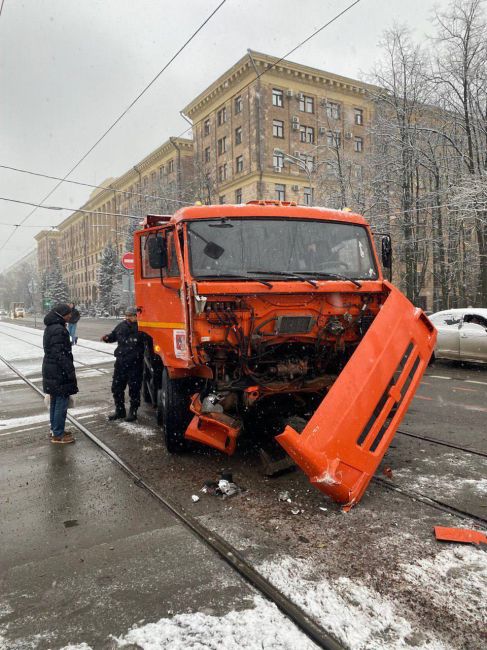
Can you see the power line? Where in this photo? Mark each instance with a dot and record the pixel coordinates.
(107, 131)
(1, 7)
(55, 207)
(100, 187)
(284, 56)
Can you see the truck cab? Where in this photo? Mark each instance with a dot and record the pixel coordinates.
(273, 310)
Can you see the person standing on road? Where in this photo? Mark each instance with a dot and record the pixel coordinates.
(73, 323)
(58, 373)
(128, 365)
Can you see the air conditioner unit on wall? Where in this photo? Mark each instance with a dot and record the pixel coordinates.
(289, 93)
(322, 130)
(295, 126)
(295, 119)
(348, 135)
(295, 188)
(277, 170)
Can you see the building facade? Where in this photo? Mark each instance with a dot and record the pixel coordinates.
(271, 129)
(158, 183)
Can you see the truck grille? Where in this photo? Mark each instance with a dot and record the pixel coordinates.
(294, 324)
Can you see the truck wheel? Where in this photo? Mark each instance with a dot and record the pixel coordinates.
(173, 414)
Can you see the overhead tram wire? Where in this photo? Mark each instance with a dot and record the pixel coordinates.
(122, 115)
(98, 187)
(56, 207)
(284, 56)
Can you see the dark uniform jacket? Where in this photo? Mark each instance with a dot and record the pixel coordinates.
(130, 341)
(58, 374)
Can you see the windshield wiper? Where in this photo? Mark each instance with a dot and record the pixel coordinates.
(288, 274)
(334, 276)
(223, 276)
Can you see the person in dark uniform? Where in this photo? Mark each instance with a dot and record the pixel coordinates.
(128, 365)
(58, 373)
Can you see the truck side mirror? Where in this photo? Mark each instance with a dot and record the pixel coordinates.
(157, 252)
(386, 252)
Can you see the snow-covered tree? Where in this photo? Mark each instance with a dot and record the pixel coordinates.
(56, 287)
(110, 279)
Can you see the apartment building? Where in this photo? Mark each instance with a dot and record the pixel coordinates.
(158, 183)
(272, 129)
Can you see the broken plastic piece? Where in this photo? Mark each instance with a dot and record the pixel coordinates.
(195, 498)
(463, 535)
(345, 440)
(284, 496)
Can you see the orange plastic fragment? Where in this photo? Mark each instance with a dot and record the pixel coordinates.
(464, 535)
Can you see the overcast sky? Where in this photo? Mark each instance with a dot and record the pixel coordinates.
(69, 68)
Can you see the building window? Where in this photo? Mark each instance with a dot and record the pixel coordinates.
(277, 97)
(358, 115)
(357, 172)
(334, 139)
(280, 192)
(331, 169)
(221, 199)
(161, 172)
(206, 127)
(238, 195)
(333, 110)
(278, 128)
(238, 104)
(358, 144)
(221, 116)
(238, 135)
(170, 166)
(308, 195)
(207, 154)
(222, 172)
(278, 160)
(222, 145)
(145, 181)
(306, 104)
(239, 164)
(307, 134)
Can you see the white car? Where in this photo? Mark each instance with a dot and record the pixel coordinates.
(462, 334)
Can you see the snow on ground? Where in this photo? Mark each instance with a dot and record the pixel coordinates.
(455, 580)
(357, 615)
(14, 350)
(136, 429)
(263, 626)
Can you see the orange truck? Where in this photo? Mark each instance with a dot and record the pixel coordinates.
(278, 313)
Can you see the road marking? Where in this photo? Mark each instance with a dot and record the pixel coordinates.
(472, 381)
(439, 377)
(467, 390)
(430, 399)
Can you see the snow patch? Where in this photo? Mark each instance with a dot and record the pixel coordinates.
(456, 580)
(260, 627)
(357, 615)
(43, 417)
(447, 486)
(137, 429)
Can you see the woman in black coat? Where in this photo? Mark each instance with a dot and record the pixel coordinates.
(58, 373)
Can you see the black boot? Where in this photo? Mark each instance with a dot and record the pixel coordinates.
(132, 416)
(119, 413)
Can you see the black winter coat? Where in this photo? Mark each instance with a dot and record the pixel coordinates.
(75, 316)
(58, 374)
(130, 341)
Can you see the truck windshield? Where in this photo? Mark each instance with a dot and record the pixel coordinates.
(281, 246)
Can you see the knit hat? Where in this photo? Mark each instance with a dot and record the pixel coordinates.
(130, 311)
(62, 309)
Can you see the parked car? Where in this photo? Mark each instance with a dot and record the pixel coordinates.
(462, 334)
(3, 312)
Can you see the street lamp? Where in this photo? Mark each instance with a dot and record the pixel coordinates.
(293, 160)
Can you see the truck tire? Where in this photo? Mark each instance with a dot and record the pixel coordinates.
(173, 414)
(146, 379)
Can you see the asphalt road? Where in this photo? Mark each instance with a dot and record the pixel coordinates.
(86, 554)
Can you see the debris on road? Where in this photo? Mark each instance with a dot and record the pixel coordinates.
(195, 498)
(275, 467)
(388, 472)
(284, 496)
(462, 535)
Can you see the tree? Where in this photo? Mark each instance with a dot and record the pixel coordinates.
(56, 289)
(109, 279)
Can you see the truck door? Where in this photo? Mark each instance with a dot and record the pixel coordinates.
(473, 338)
(160, 301)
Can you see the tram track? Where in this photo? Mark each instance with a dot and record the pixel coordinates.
(218, 544)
